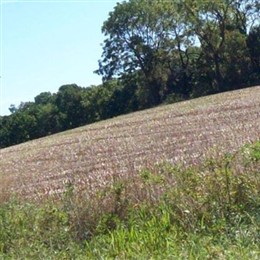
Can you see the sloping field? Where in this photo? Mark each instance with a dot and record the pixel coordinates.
(94, 155)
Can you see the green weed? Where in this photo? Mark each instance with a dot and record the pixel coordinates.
(209, 211)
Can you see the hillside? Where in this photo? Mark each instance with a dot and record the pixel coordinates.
(93, 155)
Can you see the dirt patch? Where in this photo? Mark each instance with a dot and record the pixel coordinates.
(91, 156)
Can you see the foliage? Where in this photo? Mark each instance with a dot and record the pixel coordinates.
(205, 211)
(182, 47)
(253, 40)
(70, 107)
(28, 231)
(145, 37)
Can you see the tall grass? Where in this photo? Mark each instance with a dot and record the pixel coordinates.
(209, 211)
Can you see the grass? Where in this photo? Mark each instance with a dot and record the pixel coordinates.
(166, 211)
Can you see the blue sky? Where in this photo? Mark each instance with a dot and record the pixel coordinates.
(46, 44)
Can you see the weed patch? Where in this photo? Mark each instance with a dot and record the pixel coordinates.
(208, 211)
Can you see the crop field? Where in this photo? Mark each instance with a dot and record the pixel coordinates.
(92, 156)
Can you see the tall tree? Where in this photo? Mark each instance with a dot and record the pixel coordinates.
(221, 27)
(253, 43)
(69, 104)
(144, 36)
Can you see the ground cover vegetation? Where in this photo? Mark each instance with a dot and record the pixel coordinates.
(206, 211)
(154, 52)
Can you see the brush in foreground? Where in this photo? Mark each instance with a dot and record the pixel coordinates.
(199, 212)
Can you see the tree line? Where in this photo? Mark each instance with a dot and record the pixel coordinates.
(154, 52)
(70, 107)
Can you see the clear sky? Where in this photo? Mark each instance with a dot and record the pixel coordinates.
(46, 44)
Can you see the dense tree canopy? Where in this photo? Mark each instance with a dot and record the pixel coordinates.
(181, 47)
(141, 37)
(70, 107)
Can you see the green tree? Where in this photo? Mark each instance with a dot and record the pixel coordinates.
(253, 43)
(44, 98)
(21, 127)
(221, 27)
(48, 119)
(4, 131)
(13, 108)
(145, 37)
(69, 104)
(179, 47)
(99, 103)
